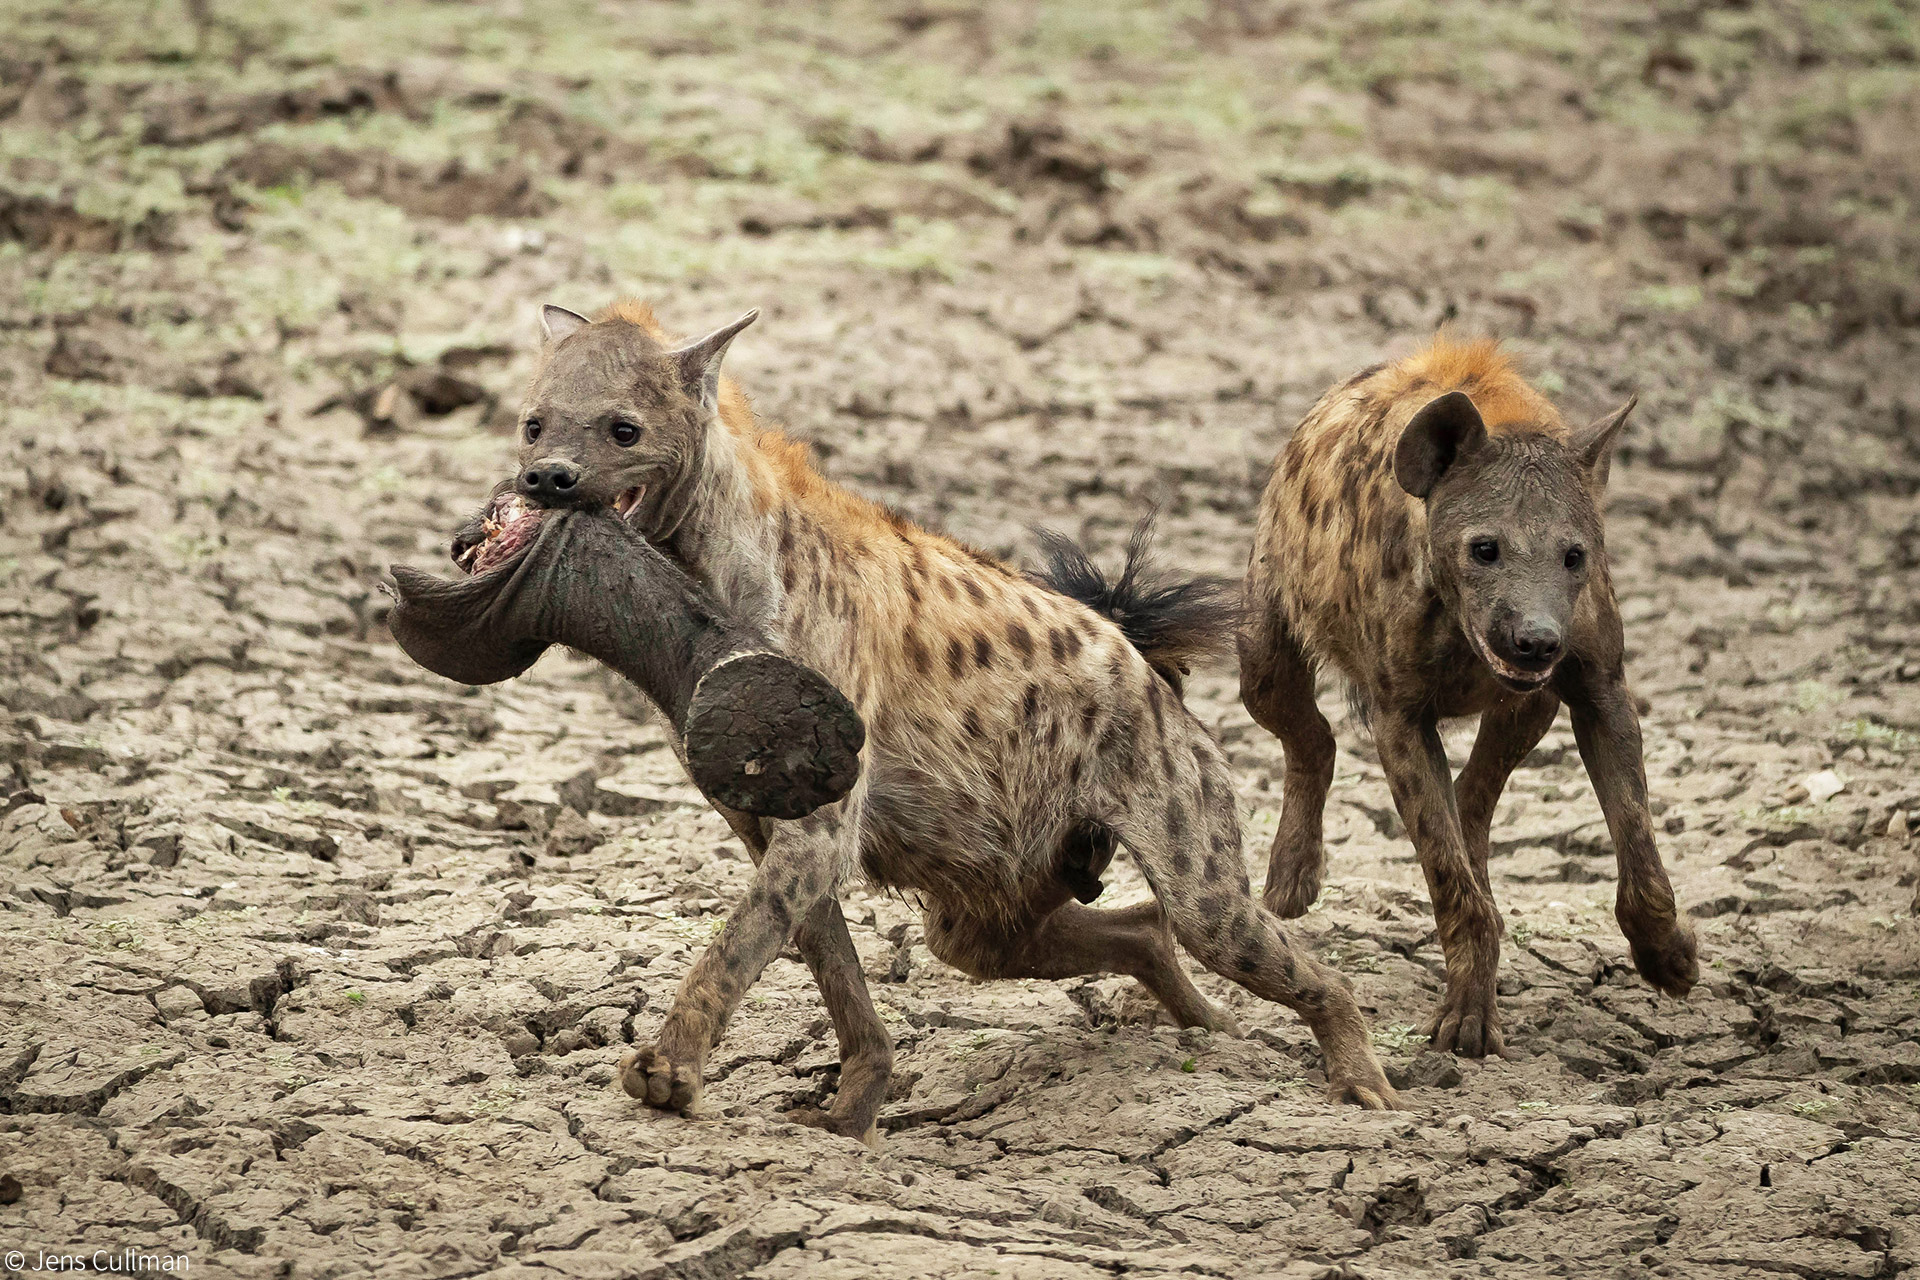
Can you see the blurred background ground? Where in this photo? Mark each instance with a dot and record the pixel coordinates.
(312, 964)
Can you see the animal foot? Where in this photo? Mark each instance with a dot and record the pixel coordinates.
(814, 1118)
(657, 1080)
(1367, 1098)
(1293, 879)
(1355, 1077)
(1181, 1002)
(1222, 1023)
(1665, 953)
(768, 736)
(1467, 1023)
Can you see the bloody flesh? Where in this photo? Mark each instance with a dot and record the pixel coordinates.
(508, 525)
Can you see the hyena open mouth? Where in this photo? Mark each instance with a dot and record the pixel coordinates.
(509, 525)
(1516, 679)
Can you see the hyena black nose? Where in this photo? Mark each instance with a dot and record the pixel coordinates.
(551, 480)
(1536, 643)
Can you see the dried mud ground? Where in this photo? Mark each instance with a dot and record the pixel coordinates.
(313, 964)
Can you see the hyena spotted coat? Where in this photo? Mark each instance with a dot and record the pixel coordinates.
(1014, 733)
(1432, 530)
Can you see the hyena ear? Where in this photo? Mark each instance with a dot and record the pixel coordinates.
(699, 362)
(558, 322)
(1595, 443)
(1442, 431)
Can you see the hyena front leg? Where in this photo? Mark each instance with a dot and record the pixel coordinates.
(1415, 761)
(1607, 727)
(1189, 851)
(866, 1049)
(1072, 940)
(802, 867)
(1507, 733)
(1276, 683)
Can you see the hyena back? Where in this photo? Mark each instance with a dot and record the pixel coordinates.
(1432, 530)
(1015, 734)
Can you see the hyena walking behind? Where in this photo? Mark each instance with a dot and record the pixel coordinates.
(1433, 530)
(1015, 733)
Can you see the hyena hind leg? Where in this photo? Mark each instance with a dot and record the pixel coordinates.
(1276, 683)
(1193, 864)
(1073, 940)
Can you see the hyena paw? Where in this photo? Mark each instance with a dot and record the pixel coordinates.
(657, 1080)
(1467, 1023)
(1366, 1097)
(1222, 1023)
(1665, 953)
(1293, 877)
(1291, 889)
(1356, 1078)
(860, 1130)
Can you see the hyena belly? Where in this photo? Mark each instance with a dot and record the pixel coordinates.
(976, 791)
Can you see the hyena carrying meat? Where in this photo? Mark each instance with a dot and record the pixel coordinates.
(1433, 530)
(1015, 734)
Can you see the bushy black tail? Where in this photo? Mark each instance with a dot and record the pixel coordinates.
(1172, 622)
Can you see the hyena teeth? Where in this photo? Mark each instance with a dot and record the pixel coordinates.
(627, 503)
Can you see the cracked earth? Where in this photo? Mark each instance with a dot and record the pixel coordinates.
(312, 964)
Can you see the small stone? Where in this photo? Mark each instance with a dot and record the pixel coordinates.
(178, 1003)
(631, 800)
(520, 1042)
(1824, 786)
(572, 835)
(358, 906)
(576, 793)
(1427, 1070)
(163, 848)
(528, 807)
(1897, 824)
(10, 1189)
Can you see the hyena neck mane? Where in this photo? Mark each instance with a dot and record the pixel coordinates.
(752, 493)
(726, 536)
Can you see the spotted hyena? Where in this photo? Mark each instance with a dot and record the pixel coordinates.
(1016, 734)
(1433, 531)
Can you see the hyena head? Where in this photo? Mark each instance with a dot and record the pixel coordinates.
(616, 419)
(1513, 526)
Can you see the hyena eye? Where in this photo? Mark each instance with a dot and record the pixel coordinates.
(625, 433)
(533, 430)
(1485, 550)
(1575, 558)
